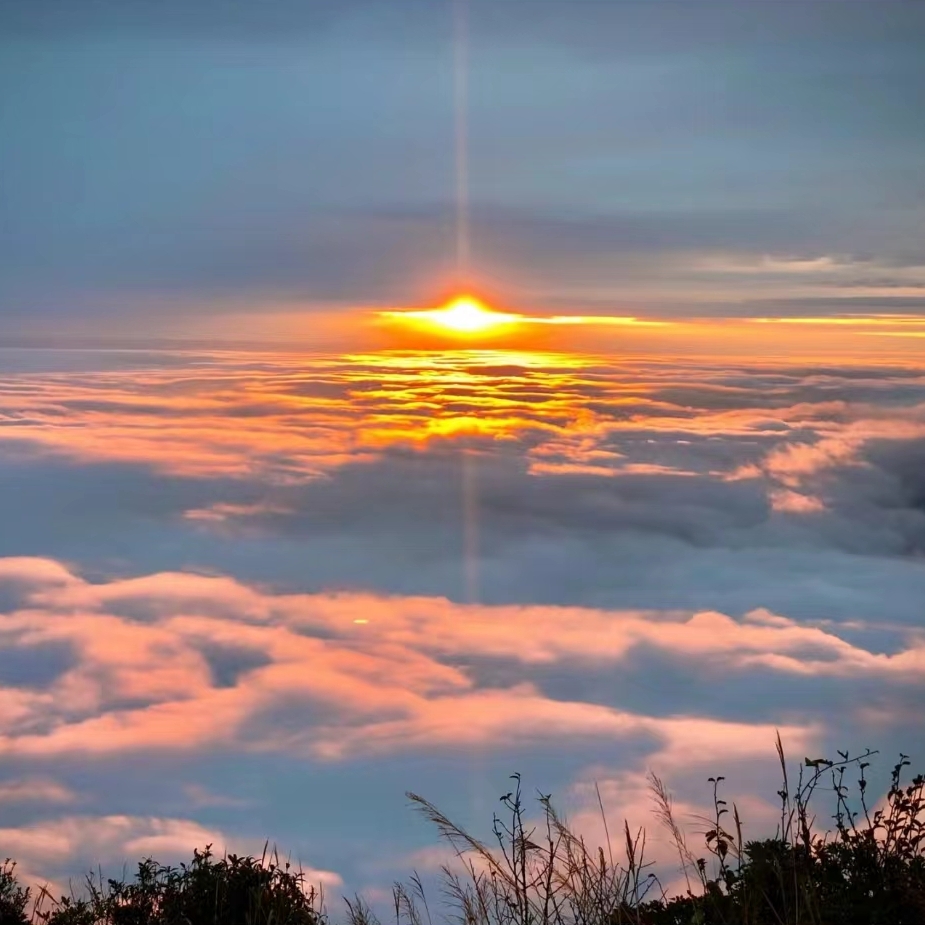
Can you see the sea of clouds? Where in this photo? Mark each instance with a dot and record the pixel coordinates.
(246, 595)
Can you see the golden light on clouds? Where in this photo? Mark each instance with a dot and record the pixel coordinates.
(856, 321)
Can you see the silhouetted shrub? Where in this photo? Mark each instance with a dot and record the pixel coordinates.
(228, 891)
(13, 898)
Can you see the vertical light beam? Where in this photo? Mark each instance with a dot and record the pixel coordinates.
(461, 110)
(470, 501)
(461, 106)
(479, 787)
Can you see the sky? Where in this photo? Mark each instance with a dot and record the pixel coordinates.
(275, 551)
(164, 162)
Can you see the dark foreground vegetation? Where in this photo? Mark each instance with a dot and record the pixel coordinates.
(856, 864)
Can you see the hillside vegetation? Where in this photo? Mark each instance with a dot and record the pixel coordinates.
(867, 869)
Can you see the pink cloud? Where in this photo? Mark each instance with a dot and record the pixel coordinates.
(389, 683)
(793, 502)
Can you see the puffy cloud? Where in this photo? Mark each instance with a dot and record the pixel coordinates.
(374, 674)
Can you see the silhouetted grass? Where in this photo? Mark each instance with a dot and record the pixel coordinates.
(866, 868)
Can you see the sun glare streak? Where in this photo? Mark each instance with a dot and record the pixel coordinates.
(466, 315)
(620, 320)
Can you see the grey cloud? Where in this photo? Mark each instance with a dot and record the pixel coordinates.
(314, 156)
(239, 19)
(228, 663)
(585, 25)
(655, 683)
(640, 28)
(33, 666)
(816, 307)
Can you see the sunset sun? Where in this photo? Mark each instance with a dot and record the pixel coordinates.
(464, 315)
(468, 316)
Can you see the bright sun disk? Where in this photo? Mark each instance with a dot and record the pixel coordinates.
(463, 315)
(466, 315)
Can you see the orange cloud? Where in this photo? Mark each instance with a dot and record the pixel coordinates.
(286, 419)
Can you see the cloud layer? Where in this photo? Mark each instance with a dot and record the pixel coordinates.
(238, 583)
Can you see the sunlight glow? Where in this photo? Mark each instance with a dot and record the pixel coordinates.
(466, 316)
(463, 315)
